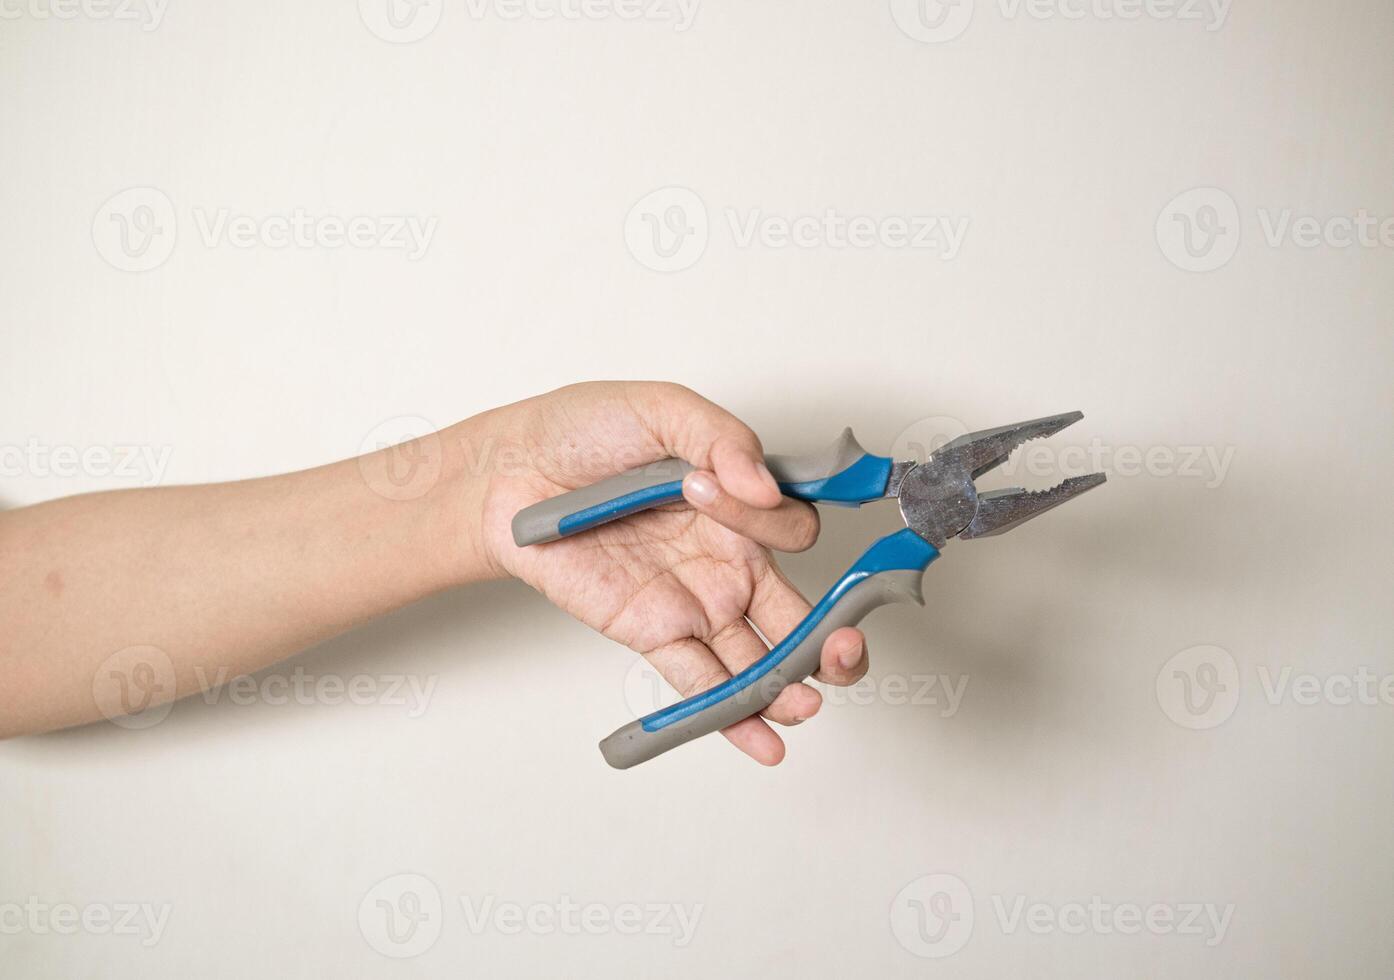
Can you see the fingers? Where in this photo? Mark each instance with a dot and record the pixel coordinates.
(709, 437)
(741, 469)
(737, 647)
(790, 526)
(776, 608)
(692, 668)
(844, 660)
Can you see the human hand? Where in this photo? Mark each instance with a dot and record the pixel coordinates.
(680, 585)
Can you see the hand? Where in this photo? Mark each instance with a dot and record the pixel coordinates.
(679, 585)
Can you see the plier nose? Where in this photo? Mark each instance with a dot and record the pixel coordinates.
(938, 501)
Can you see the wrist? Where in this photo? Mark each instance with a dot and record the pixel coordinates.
(461, 499)
(428, 494)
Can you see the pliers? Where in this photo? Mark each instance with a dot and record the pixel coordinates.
(938, 501)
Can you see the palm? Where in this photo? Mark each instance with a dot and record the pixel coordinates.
(655, 579)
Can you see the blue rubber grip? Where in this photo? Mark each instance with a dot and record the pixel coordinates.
(612, 510)
(904, 550)
(863, 481)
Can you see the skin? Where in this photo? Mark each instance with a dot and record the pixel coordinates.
(225, 579)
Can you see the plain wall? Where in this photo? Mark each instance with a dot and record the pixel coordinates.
(1071, 772)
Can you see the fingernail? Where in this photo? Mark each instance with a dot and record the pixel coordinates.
(851, 657)
(799, 719)
(701, 488)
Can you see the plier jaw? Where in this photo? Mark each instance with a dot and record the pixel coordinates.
(939, 499)
(1002, 510)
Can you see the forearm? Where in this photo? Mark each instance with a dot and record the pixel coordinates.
(223, 579)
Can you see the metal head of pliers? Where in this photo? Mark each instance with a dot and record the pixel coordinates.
(939, 500)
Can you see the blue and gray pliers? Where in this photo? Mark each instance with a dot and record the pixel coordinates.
(938, 501)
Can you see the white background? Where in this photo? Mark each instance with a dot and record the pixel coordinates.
(1061, 777)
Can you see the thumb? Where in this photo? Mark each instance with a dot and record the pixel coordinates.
(707, 436)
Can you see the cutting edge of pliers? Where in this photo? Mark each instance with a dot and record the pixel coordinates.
(938, 499)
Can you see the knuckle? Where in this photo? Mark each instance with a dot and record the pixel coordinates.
(702, 680)
(731, 630)
(806, 529)
(793, 705)
(780, 710)
(668, 390)
(787, 697)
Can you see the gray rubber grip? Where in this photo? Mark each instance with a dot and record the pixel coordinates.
(631, 744)
(542, 521)
(830, 460)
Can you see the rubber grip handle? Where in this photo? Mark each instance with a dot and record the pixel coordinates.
(842, 473)
(891, 570)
